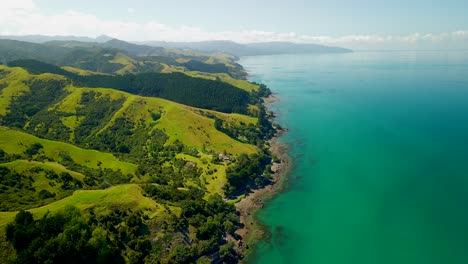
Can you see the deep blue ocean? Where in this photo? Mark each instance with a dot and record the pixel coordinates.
(379, 150)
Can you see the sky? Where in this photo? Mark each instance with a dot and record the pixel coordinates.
(357, 24)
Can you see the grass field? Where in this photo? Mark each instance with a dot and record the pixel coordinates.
(16, 142)
(128, 196)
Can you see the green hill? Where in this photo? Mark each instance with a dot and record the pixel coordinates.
(202, 93)
(146, 158)
(117, 57)
(127, 196)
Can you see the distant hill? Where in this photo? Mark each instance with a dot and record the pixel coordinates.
(132, 48)
(155, 47)
(117, 56)
(268, 48)
(252, 49)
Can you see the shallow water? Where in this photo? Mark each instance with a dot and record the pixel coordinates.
(379, 142)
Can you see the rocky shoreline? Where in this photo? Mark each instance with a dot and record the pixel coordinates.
(252, 230)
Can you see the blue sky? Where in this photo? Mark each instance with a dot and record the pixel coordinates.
(329, 17)
(360, 22)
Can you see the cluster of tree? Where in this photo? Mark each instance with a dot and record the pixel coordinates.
(212, 219)
(176, 87)
(17, 190)
(248, 133)
(69, 237)
(262, 92)
(249, 172)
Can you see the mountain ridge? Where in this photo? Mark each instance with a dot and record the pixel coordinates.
(225, 46)
(250, 49)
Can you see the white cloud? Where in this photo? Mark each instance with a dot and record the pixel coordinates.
(18, 4)
(24, 17)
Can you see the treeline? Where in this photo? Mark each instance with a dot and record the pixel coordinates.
(177, 87)
(69, 237)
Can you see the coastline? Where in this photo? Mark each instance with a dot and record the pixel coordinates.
(252, 230)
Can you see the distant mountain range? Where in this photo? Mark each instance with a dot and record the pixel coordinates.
(251, 49)
(230, 47)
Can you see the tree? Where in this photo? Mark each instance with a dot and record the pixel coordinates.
(226, 251)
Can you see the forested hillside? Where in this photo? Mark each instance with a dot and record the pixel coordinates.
(178, 87)
(121, 166)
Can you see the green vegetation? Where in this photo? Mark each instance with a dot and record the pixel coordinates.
(117, 57)
(35, 186)
(116, 161)
(176, 87)
(67, 236)
(250, 172)
(15, 143)
(121, 197)
(239, 83)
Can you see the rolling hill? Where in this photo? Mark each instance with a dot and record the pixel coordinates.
(142, 150)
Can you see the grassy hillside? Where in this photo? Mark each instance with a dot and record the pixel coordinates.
(12, 84)
(180, 122)
(124, 197)
(27, 184)
(143, 170)
(16, 142)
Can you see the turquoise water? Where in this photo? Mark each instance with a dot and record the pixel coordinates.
(379, 143)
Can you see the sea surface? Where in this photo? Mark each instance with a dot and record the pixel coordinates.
(379, 145)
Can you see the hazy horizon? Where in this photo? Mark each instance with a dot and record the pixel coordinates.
(361, 25)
